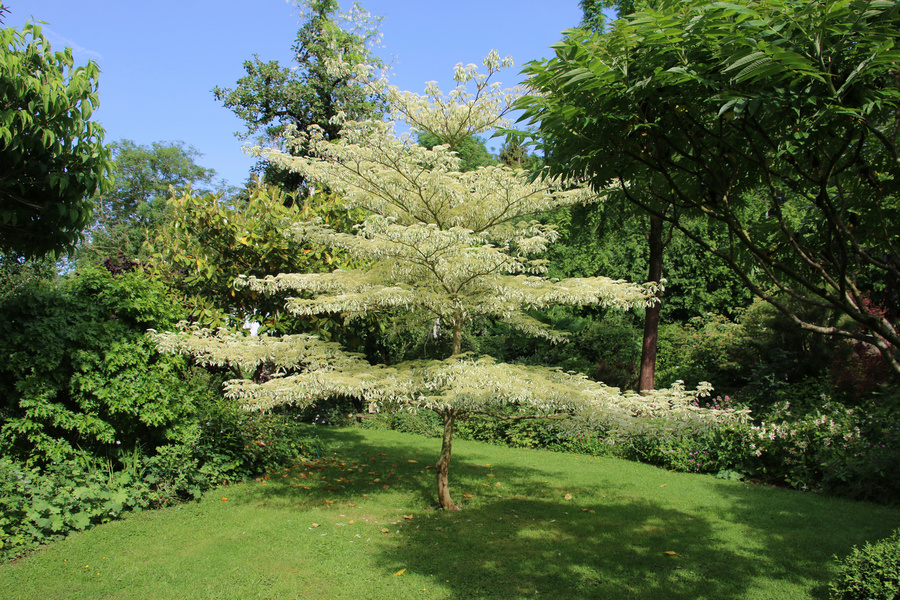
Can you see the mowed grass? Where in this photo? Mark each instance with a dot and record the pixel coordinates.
(360, 523)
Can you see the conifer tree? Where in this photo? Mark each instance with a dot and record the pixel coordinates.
(445, 246)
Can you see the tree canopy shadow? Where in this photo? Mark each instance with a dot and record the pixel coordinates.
(534, 531)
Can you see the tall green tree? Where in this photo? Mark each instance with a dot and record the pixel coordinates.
(777, 120)
(273, 99)
(444, 246)
(472, 151)
(52, 158)
(594, 19)
(127, 214)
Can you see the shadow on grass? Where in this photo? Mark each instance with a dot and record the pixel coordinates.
(523, 532)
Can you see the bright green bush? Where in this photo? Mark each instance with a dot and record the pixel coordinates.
(41, 505)
(519, 433)
(423, 422)
(869, 573)
(95, 422)
(77, 373)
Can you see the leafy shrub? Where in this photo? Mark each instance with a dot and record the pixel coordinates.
(226, 445)
(523, 433)
(41, 505)
(711, 348)
(822, 446)
(832, 448)
(77, 373)
(592, 445)
(519, 433)
(423, 422)
(869, 573)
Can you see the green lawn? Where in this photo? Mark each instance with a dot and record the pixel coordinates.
(360, 523)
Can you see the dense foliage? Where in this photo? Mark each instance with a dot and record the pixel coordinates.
(52, 158)
(78, 374)
(785, 139)
(208, 241)
(134, 206)
(275, 100)
(95, 422)
(869, 573)
(602, 238)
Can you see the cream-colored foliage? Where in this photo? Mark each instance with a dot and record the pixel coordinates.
(454, 246)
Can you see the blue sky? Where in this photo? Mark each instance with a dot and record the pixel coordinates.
(160, 59)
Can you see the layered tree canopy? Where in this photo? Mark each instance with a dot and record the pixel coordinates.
(776, 119)
(447, 247)
(52, 158)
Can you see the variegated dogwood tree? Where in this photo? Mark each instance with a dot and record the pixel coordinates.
(449, 246)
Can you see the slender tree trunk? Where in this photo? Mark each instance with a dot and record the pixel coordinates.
(651, 320)
(457, 335)
(443, 465)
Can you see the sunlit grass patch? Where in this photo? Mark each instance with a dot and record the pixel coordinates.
(559, 525)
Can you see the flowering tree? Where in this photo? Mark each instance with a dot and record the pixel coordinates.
(445, 246)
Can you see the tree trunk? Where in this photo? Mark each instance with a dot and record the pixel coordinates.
(651, 320)
(443, 465)
(457, 335)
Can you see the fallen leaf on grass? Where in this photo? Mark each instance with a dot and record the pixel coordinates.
(224, 499)
(497, 484)
(412, 461)
(568, 496)
(407, 516)
(663, 485)
(315, 524)
(670, 553)
(385, 530)
(400, 572)
(467, 495)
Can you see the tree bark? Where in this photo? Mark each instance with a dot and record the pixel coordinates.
(647, 380)
(443, 464)
(457, 335)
